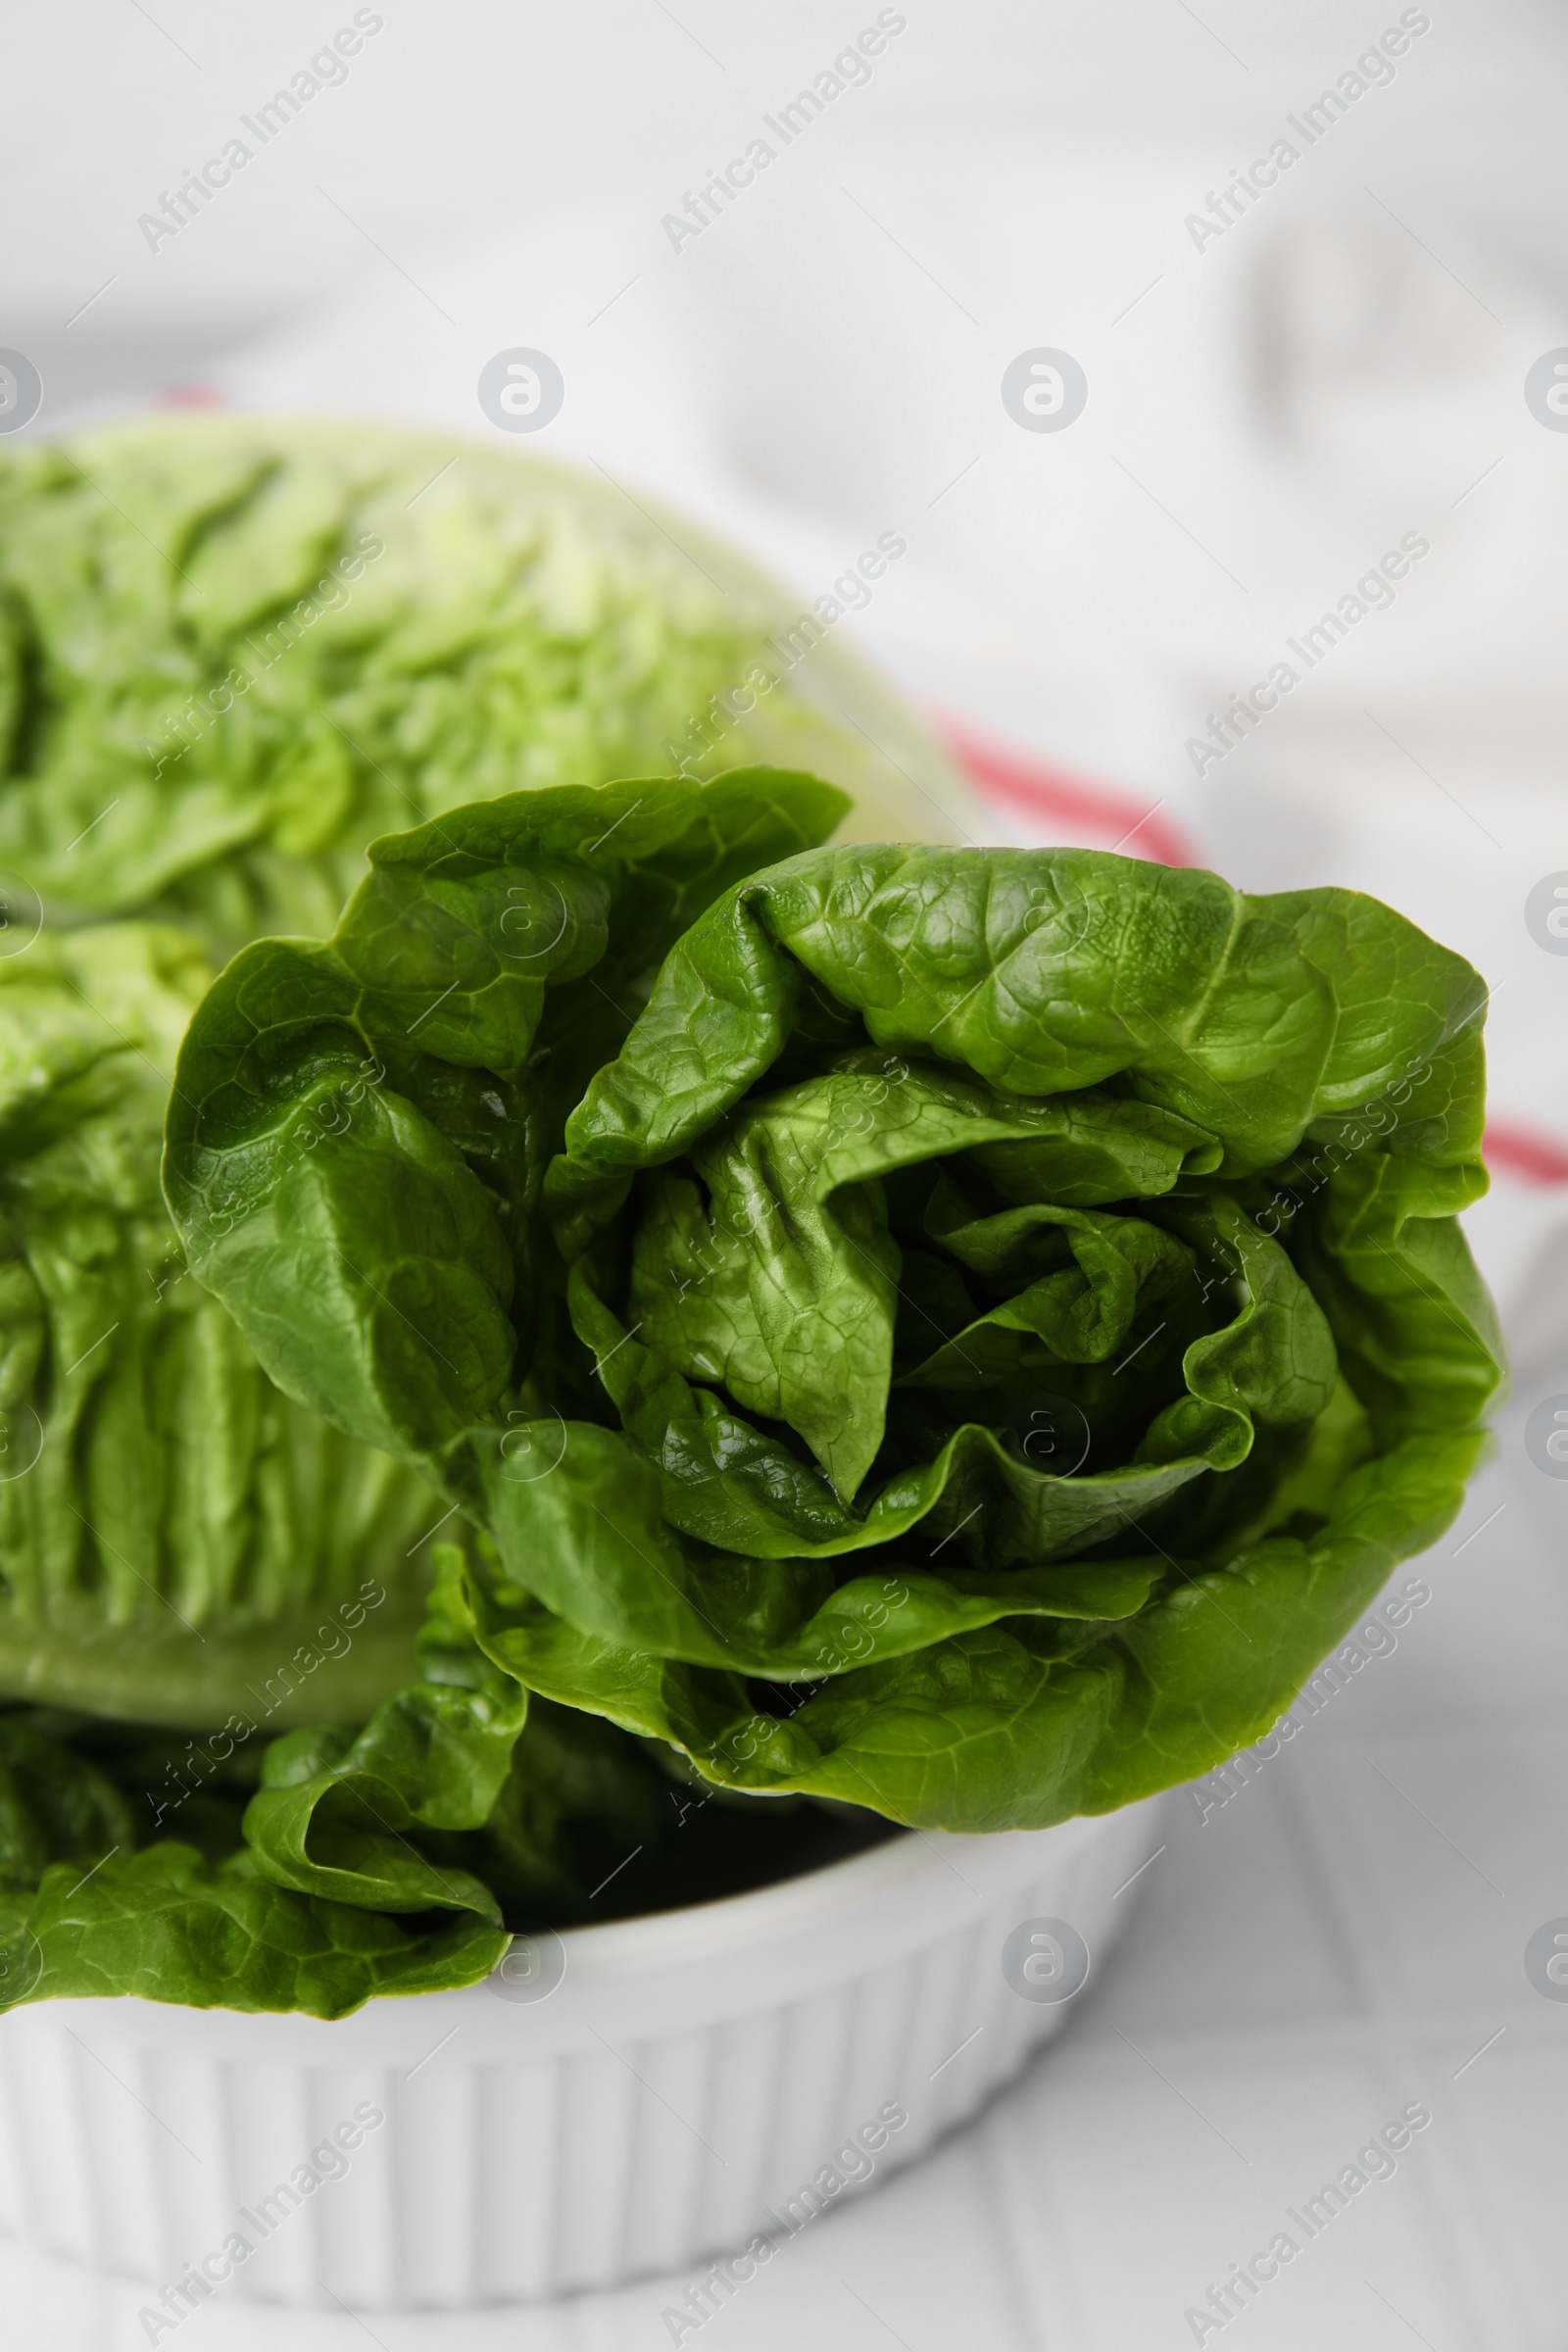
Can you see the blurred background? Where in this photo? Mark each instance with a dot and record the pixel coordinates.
(1285, 377)
(1151, 332)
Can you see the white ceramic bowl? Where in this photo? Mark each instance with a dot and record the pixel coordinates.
(687, 2073)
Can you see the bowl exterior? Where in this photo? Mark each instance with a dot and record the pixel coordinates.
(682, 2090)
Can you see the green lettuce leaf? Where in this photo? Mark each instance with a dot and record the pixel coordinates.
(398, 1859)
(86, 1908)
(359, 1130)
(170, 1925)
(331, 1814)
(178, 1538)
(1022, 1723)
(235, 649)
(968, 1350)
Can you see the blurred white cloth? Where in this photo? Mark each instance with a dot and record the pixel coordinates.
(1262, 428)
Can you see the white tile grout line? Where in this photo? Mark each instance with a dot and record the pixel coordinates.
(1180, 2093)
(1389, 2047)
(1018, 2228)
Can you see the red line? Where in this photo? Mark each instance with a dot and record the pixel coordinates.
(1053, 792)
(1529, 1154)
(1525, 1152)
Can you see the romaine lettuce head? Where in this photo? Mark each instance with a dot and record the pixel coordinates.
(235, 649)
(178, 1538)
(958, 1330)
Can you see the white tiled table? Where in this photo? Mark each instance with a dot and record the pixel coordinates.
(1342, 1937)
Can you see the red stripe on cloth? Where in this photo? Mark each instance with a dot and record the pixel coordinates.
(1135, 827)
(1525, 1152)
(1528, 1154)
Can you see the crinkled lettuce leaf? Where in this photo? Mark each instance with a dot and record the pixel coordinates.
(332, 1865)
(969, 1350)
(1026, 1720)
(178, 1538)
(86, 1908)
(235, 649)
(359, 1129)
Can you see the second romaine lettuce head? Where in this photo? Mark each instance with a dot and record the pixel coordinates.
(957, 1331)
(178, 1538)
(233, 649)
